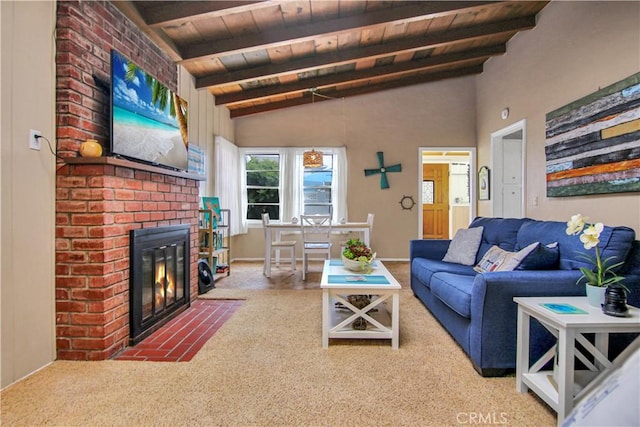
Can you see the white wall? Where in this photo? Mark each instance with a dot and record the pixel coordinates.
(575, 49)
(205, 121)
(27, 192)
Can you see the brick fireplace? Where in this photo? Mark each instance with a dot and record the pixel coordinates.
(159, 280)
(98, 202)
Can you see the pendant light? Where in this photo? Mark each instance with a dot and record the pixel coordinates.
(312, 159)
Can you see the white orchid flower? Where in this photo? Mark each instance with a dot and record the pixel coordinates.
(576, 224)
(591, 236)
(602, 274)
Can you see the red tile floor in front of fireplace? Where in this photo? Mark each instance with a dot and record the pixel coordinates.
(181, 338)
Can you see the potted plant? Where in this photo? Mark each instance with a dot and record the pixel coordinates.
(357, 256)
(602, 274)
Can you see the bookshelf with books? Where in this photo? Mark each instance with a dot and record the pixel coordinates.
(214, 242)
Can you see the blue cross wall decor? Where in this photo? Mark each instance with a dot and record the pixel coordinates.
(382, 170)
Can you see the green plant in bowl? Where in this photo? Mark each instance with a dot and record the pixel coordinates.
(357, 256)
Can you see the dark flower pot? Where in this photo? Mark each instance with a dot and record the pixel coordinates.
(615, 301)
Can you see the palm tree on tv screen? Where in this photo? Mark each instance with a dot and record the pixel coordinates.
(161, 96)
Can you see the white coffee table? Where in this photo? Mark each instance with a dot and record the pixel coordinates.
(339, 315)
(567, 328)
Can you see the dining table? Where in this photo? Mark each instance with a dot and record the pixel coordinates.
(275, 229)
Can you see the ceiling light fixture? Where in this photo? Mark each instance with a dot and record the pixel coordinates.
(313, 158)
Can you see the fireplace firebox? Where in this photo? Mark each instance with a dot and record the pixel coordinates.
(159, 278)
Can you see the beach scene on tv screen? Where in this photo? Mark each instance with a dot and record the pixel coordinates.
(144, 129)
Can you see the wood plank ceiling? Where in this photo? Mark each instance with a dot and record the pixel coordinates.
(258, 56)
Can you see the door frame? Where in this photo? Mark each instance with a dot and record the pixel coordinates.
(496, 139)
(472, 181)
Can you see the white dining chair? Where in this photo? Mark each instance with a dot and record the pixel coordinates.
(277, 246)
(316, 238)
(370, 217)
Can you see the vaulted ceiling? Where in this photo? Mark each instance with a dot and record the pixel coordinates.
(258, 56)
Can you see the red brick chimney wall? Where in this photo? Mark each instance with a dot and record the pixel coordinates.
(97, 204)
(85, 34)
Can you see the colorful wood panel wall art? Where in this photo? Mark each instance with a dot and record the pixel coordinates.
(593, 144)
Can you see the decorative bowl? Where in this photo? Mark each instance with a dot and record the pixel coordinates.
(356, 266)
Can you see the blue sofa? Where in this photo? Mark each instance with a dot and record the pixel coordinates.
(477, 309)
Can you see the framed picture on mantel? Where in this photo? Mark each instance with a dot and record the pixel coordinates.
(484, 183)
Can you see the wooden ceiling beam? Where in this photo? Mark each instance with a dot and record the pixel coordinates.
(244, 111)
(369, 52)
(415, 11)
(360, 75)
(178, 12)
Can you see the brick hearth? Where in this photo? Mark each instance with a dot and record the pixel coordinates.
(97, 205)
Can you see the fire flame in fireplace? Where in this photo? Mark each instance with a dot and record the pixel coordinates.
(163, 279)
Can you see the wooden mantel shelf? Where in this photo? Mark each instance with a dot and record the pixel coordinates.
(117, 161)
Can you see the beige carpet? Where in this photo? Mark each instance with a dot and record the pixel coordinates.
(266, 367)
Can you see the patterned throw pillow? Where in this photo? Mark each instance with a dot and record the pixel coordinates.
(497, 259)
(464, 246)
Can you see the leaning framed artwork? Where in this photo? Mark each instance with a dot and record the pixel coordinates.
(484, 183)
(593, 144)
(213, 204)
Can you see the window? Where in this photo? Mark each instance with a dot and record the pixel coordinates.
(427, 192)
(316, 186)
(263, 185)
(279, 184)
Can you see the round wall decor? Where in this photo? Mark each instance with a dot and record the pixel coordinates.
(407, 202)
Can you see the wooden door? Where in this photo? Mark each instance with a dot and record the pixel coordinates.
(435, 203)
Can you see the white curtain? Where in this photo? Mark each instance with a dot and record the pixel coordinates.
(228, 183)
(292, 172)
(339, 184)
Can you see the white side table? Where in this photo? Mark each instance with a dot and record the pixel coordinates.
(568, 328)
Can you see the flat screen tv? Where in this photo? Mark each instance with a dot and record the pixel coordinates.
(148, 121)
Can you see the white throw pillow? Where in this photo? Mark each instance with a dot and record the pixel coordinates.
(464, 246)
(497, 259)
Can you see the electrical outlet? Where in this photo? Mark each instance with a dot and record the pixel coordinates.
(34, 143)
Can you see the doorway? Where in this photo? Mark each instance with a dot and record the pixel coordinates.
(446, 189)
(508, 149)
